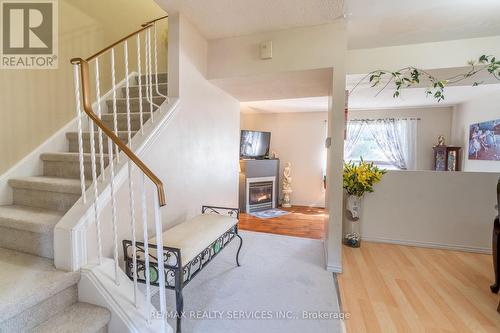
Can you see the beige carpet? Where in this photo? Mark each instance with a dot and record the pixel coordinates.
(279, 275)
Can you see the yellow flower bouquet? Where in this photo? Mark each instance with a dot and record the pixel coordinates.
(360, 177)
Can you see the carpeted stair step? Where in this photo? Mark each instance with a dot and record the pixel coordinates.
(135, 123)
(80, 317)
(32, 290)
(134, 90)
(73, 141)
(121, 104)
(67, 165)
(28, 229)
(162, 78)
(46, 192)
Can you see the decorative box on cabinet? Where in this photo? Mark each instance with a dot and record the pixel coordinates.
(446, 158)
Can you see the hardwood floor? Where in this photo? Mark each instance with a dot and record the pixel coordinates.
(308, 222)
(390, 288)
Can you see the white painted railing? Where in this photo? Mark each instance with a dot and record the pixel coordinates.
(148, 79)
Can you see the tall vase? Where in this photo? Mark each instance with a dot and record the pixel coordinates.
(352, 229)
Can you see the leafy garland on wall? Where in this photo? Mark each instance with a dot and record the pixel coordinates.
(411, 76)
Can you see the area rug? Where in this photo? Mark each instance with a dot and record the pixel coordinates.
(270, 213)
(281, 286)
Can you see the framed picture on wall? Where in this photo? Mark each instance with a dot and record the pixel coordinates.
(484, 141)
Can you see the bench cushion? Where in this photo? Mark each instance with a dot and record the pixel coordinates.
(196, 234)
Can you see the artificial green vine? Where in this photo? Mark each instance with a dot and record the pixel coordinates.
(411, 76)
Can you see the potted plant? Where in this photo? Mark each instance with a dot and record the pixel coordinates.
(359, 178)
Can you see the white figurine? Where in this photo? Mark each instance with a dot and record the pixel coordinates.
(287, 185)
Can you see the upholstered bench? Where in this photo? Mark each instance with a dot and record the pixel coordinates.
(187, 248)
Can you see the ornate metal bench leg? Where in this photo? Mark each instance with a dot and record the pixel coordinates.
(239, 248)
(179, 307)
(179, 301)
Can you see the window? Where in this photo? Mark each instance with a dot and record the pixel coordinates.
(367, 147)
(389, 143)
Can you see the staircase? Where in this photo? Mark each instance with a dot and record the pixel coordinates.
(34, 296)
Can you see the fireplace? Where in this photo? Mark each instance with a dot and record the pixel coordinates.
(260, 194)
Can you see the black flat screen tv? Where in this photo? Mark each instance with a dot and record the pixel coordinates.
(254, 144)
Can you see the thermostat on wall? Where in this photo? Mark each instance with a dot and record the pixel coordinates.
(266, 50)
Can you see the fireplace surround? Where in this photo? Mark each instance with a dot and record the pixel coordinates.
(252, 170)
(260, 193)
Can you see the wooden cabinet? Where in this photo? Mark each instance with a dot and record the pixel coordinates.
(446, 158)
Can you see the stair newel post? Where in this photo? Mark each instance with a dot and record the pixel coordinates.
(80, 135)
(85, 86)
(130, 174)
(139, 81)
(156, 62)
(115, 116)
(160, 256)
(99, 114)
(146, 246)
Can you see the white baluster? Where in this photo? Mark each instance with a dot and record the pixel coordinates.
(146, 247)
(132, 226)
(80, 139)
(140, 81)
(96, 192)
(147, 77)
(113, 209)
(151, 103)
(99, 114)
(130, 173)
(156, 63)
(159, 255)
(115, 116)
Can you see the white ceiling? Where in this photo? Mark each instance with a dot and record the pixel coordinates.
(364, 99)
(376, 23)
(370, 23)
(228, 18)
(415, 97)
(363, 96)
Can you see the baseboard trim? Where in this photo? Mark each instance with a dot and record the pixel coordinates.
(334, 268)
(430, 245)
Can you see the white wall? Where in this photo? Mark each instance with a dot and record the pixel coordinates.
(433, 122)
(445, 54)
(438, 209)
(293, 49)
(298, 138)
(472, 112)
(197, 155)
(322, 46)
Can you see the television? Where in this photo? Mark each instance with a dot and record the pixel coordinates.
(254, 144)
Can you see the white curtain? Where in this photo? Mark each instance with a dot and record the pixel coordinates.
(354, 129)
(407, 129)
(388, 138)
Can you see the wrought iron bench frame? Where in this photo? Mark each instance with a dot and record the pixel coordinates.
(181, 275)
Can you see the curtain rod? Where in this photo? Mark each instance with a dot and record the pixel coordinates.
(380, 119)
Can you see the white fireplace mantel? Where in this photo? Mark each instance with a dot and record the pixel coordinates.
(258, 180)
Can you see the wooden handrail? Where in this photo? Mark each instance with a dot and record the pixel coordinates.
(155, 20)
(107, 48)
(87, 107)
